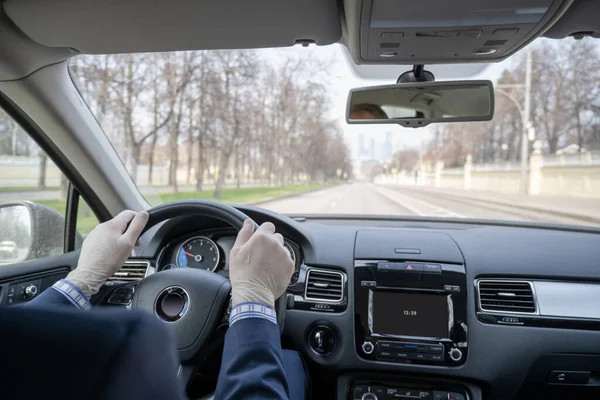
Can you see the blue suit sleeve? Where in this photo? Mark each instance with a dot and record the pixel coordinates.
(49, 298)
(62, 293)
(252, 366)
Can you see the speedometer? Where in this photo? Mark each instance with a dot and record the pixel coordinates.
(199, 252)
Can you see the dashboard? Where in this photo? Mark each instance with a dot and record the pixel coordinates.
(422, 308)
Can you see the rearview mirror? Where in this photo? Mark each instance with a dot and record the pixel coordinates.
(419, 104)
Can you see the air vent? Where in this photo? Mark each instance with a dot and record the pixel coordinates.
(506, 296)
(132, 271)
(323, 285)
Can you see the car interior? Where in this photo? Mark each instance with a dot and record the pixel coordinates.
(474, 309)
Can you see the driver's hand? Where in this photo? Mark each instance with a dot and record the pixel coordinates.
(260, 267)
(105, 250)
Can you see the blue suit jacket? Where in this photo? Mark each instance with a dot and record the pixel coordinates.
(132, 355)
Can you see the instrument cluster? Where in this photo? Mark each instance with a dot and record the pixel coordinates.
(210, 250)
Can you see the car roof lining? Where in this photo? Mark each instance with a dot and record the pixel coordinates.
(44, 32)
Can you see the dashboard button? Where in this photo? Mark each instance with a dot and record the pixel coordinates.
(410, 267)
(432, 268)
(402, 355)
(436, 357)
(569, 377)
(386, 266)
(384, 353)
(386, 345)
(434, 348)
(368, 347)
(455, 354)
(409, 347)
(452, 288)
(359, 390)
(421, 356)
(368, 283)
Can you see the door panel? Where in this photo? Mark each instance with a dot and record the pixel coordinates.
(41, 273)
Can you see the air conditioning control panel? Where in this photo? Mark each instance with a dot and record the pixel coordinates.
(319, 288)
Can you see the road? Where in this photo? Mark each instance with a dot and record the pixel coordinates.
(365, 198)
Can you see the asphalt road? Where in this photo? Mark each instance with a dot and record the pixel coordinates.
(365, 198)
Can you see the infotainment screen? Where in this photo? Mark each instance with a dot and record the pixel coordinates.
(410, 314)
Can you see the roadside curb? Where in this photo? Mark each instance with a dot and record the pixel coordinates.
(543, 210)
(288, 196)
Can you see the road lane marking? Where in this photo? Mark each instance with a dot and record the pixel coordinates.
(417, 206)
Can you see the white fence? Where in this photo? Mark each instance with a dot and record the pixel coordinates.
(573, 175)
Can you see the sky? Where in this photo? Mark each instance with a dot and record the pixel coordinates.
(341, 78)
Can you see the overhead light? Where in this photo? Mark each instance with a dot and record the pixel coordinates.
(485, 52)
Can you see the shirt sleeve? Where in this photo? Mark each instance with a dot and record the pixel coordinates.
(252, 310)
(72, 293)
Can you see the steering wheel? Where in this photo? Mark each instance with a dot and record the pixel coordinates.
(192, 301)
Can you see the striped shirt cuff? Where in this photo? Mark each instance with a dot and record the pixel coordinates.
(252, 310)
(73, 294)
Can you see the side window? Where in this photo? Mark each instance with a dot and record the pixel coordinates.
(33, 199)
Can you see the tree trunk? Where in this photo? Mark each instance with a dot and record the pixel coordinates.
(222, 173)
(136, 149)
(200, 167)
(173, 165)
(238, 169)
(42, 176)
(151, 159)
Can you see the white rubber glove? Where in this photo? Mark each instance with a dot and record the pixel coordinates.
(105, 250)
(260, 267)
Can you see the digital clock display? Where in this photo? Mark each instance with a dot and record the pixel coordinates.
(411, 314)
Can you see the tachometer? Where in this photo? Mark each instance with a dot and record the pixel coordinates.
(288, 247)
(199, 252)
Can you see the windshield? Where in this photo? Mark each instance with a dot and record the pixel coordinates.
(267, 127)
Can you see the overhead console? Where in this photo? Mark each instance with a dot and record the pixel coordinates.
(410, 298)
(435, 31)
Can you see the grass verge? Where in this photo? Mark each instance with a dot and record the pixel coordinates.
(26, 188)
(235, 196)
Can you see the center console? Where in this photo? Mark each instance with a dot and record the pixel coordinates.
(409, 307)
(411, 312)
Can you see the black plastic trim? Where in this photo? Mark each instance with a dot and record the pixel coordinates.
(71, 218)
(541, 321)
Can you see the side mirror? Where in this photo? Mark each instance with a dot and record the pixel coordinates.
(28, 231)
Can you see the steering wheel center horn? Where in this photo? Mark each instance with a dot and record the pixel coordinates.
(172, 304)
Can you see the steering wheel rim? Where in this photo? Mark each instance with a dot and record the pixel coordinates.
(202, 295)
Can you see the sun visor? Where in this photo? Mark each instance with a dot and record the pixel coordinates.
(130, 26)
(441, 31)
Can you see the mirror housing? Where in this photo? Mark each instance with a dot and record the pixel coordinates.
(29, 231)
(419, 104)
